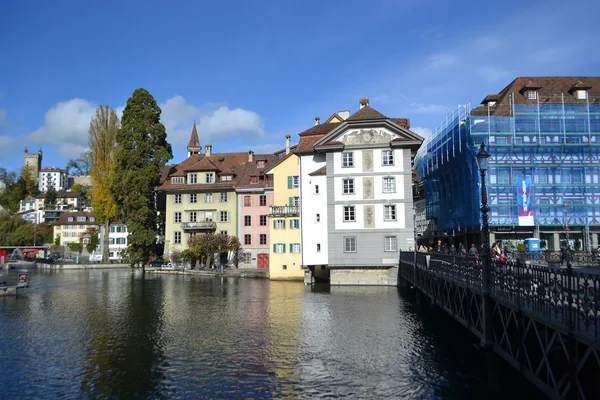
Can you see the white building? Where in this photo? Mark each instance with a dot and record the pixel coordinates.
(52, 177)
(356, 196)
(117, 241)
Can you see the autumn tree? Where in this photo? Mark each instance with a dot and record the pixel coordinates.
(103, 146)
(142, 149)
(29, 177)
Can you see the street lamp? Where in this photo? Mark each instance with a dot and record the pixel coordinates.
(487, 339)
(482, 162)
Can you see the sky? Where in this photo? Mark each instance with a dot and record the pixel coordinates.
(251, 72)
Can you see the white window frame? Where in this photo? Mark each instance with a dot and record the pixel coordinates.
(224, 197)
(531, 94)
(348, 186)
(349, 214)
(178, 198)
(193, 179)
(387, 157)
(295, 224)
(208, 198)
(177, 217)
(177, 237)
(385, 184)
(247, 220)
(223, 216)
(347, 159)
(279, 248)
(295, 248)
(350, 244)
(295, 181)
(389, 212)
(193, 198)
(209, 177)
(390, 243)
(279, 224)
(192, 216)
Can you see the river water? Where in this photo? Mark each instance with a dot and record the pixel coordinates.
(113, 334)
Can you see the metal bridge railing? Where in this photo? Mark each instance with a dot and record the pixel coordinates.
(565, 298)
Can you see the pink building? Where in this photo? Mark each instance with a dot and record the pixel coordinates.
(255, 196)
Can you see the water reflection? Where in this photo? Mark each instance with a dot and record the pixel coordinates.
(113, 334)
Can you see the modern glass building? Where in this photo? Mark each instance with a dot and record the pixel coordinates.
(543, 135)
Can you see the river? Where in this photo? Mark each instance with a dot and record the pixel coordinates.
(113, 334)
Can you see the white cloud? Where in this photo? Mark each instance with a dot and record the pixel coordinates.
(423, 132)
(3, 117)
(66, 125)
(215, 122)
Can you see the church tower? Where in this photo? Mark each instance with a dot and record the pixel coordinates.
(194, 146)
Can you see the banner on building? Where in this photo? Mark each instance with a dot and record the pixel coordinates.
(524, 201)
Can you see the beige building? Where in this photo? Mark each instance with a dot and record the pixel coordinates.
(71, 226)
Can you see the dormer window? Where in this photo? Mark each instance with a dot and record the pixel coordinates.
(532, 94)
(581, 94)
(177, 179)
(80, 219)
(491, 104)
(225, 178)
(209, 177)
(260, 163)
(92, 219)
(70, 219)
(254, 179)
(193, 178)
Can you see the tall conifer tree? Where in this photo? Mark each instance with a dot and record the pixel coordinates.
(142, 149)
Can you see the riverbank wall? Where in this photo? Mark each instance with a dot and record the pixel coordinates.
(81, 266)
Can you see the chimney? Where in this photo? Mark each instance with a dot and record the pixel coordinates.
(317, 120)
(208, 150)
(287, 144)
(250, 156)
(364, 102)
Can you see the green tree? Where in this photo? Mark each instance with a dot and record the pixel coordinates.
(204, 247)
(51, 196)
(142, 149)
(81, 166)
(103, 146)
(15, 190)
(29, 176)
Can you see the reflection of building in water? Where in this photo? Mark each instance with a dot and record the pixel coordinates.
(286, 306)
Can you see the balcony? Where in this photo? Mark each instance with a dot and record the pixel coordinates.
(199, 226)
(284, 211)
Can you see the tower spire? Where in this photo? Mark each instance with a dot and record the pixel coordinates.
(194, 145)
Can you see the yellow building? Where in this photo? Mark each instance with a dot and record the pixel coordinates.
(285, 251)
(72, 225)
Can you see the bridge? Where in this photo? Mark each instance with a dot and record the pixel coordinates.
(543, 321)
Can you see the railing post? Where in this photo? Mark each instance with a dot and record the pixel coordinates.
(574, 388)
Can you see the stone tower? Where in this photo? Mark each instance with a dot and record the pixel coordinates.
(194, 145)
(34, 160)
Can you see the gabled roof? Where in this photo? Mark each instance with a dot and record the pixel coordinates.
(64, 218)
(321, 128)
(367, 112)
(320, 171)
(307, 142)
(204, 164)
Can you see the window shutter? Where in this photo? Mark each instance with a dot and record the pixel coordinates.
(274, 223)
(283, 247)
(283, 224)
(291, 248)
(290, 182)
(274, 248)
(298, 224)
(291, 201)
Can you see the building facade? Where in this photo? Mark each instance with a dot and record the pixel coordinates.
(117, 241)
(365, 160)
(284, 225)
(55, 177)
(202, 195)
(71, 226)
(544, 170)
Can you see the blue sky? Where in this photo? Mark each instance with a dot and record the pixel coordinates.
(251, 72)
